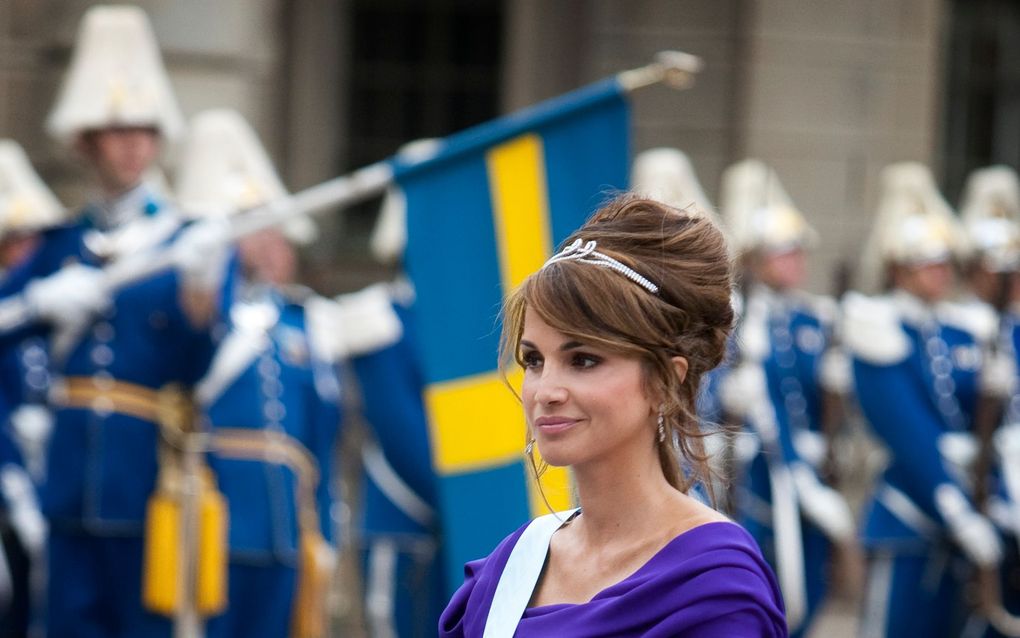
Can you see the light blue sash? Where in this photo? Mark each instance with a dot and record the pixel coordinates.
(520, 575)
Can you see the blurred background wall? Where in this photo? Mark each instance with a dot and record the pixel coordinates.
(827, 91)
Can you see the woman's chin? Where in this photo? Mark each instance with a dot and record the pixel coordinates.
(558, 455)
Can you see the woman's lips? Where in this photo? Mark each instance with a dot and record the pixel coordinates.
(554, 424)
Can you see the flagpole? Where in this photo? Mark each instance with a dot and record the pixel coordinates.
(675, 69)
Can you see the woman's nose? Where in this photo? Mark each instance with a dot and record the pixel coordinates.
(550, 387)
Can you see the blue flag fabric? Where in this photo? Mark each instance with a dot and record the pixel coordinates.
(482, 214)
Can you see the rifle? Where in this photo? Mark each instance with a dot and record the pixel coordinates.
(847, 560)
(833, 405)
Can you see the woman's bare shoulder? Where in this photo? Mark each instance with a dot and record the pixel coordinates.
(691, 513)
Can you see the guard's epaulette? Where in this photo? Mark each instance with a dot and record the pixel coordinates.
(352, 324)
(824, 307)
(975, 317)
(872, 329)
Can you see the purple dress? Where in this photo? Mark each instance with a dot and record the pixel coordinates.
(708, 582)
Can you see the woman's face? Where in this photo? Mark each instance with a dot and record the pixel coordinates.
(582, 403)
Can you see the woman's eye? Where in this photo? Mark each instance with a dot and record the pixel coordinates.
(585, 361)
(530, 360)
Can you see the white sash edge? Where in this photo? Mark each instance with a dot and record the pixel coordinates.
(520, 575)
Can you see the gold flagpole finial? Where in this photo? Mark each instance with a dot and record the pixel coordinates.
(675, 69)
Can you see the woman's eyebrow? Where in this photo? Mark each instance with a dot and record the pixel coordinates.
(569, 345)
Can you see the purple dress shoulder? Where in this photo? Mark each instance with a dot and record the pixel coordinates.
(708, 582)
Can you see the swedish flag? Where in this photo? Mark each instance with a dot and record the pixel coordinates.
(482, 215)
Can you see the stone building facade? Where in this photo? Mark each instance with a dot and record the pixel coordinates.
(827, 91)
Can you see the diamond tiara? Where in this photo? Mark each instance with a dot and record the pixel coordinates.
(588, 255)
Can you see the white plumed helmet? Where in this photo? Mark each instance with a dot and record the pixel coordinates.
(990, 210)
(116, 78)
(913, 225)
(224, 169)
(666, 175)
(759, 212)
(26, 204)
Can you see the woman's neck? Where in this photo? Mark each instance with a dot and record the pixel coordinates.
(621, 501)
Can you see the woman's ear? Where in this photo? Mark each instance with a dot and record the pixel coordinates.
(680, 365)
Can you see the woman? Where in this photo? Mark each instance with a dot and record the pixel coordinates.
(614, 334)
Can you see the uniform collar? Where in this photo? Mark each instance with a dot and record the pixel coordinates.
(775, 301)
(257, 309)
(108, 214)
(912, 310)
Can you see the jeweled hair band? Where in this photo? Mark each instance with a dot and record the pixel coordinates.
(587, 254)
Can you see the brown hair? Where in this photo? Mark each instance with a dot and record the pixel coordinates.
(684, 254)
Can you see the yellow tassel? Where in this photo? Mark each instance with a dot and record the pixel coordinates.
(160, 570)
(162, 566)
(315, 571)
(212, 553)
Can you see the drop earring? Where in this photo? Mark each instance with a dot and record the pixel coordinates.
(530, 447)
(662, 428)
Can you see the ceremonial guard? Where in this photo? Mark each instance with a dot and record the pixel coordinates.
(786, 364)
(272, 395)
(115, 353)
(398, 528)
(26, 207)
(990, 209)
(917, 369)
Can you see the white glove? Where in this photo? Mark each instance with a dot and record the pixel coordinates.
(200, 254)
(836, 373)
(32, 425)
(746, 446)
(822, 505)
(811, 447)
(974, 533)
(1004, 514)
(999, 375)
(741, 388)
(23, 508)
(361, 322)
(70, 296)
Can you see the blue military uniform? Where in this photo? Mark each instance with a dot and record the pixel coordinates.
(398, 527)
(784, 337)
(104, 439)
(24, 379)
(272, 401)
(1004, 501)
(916, 371)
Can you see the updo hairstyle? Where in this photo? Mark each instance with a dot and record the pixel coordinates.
(684, 253)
